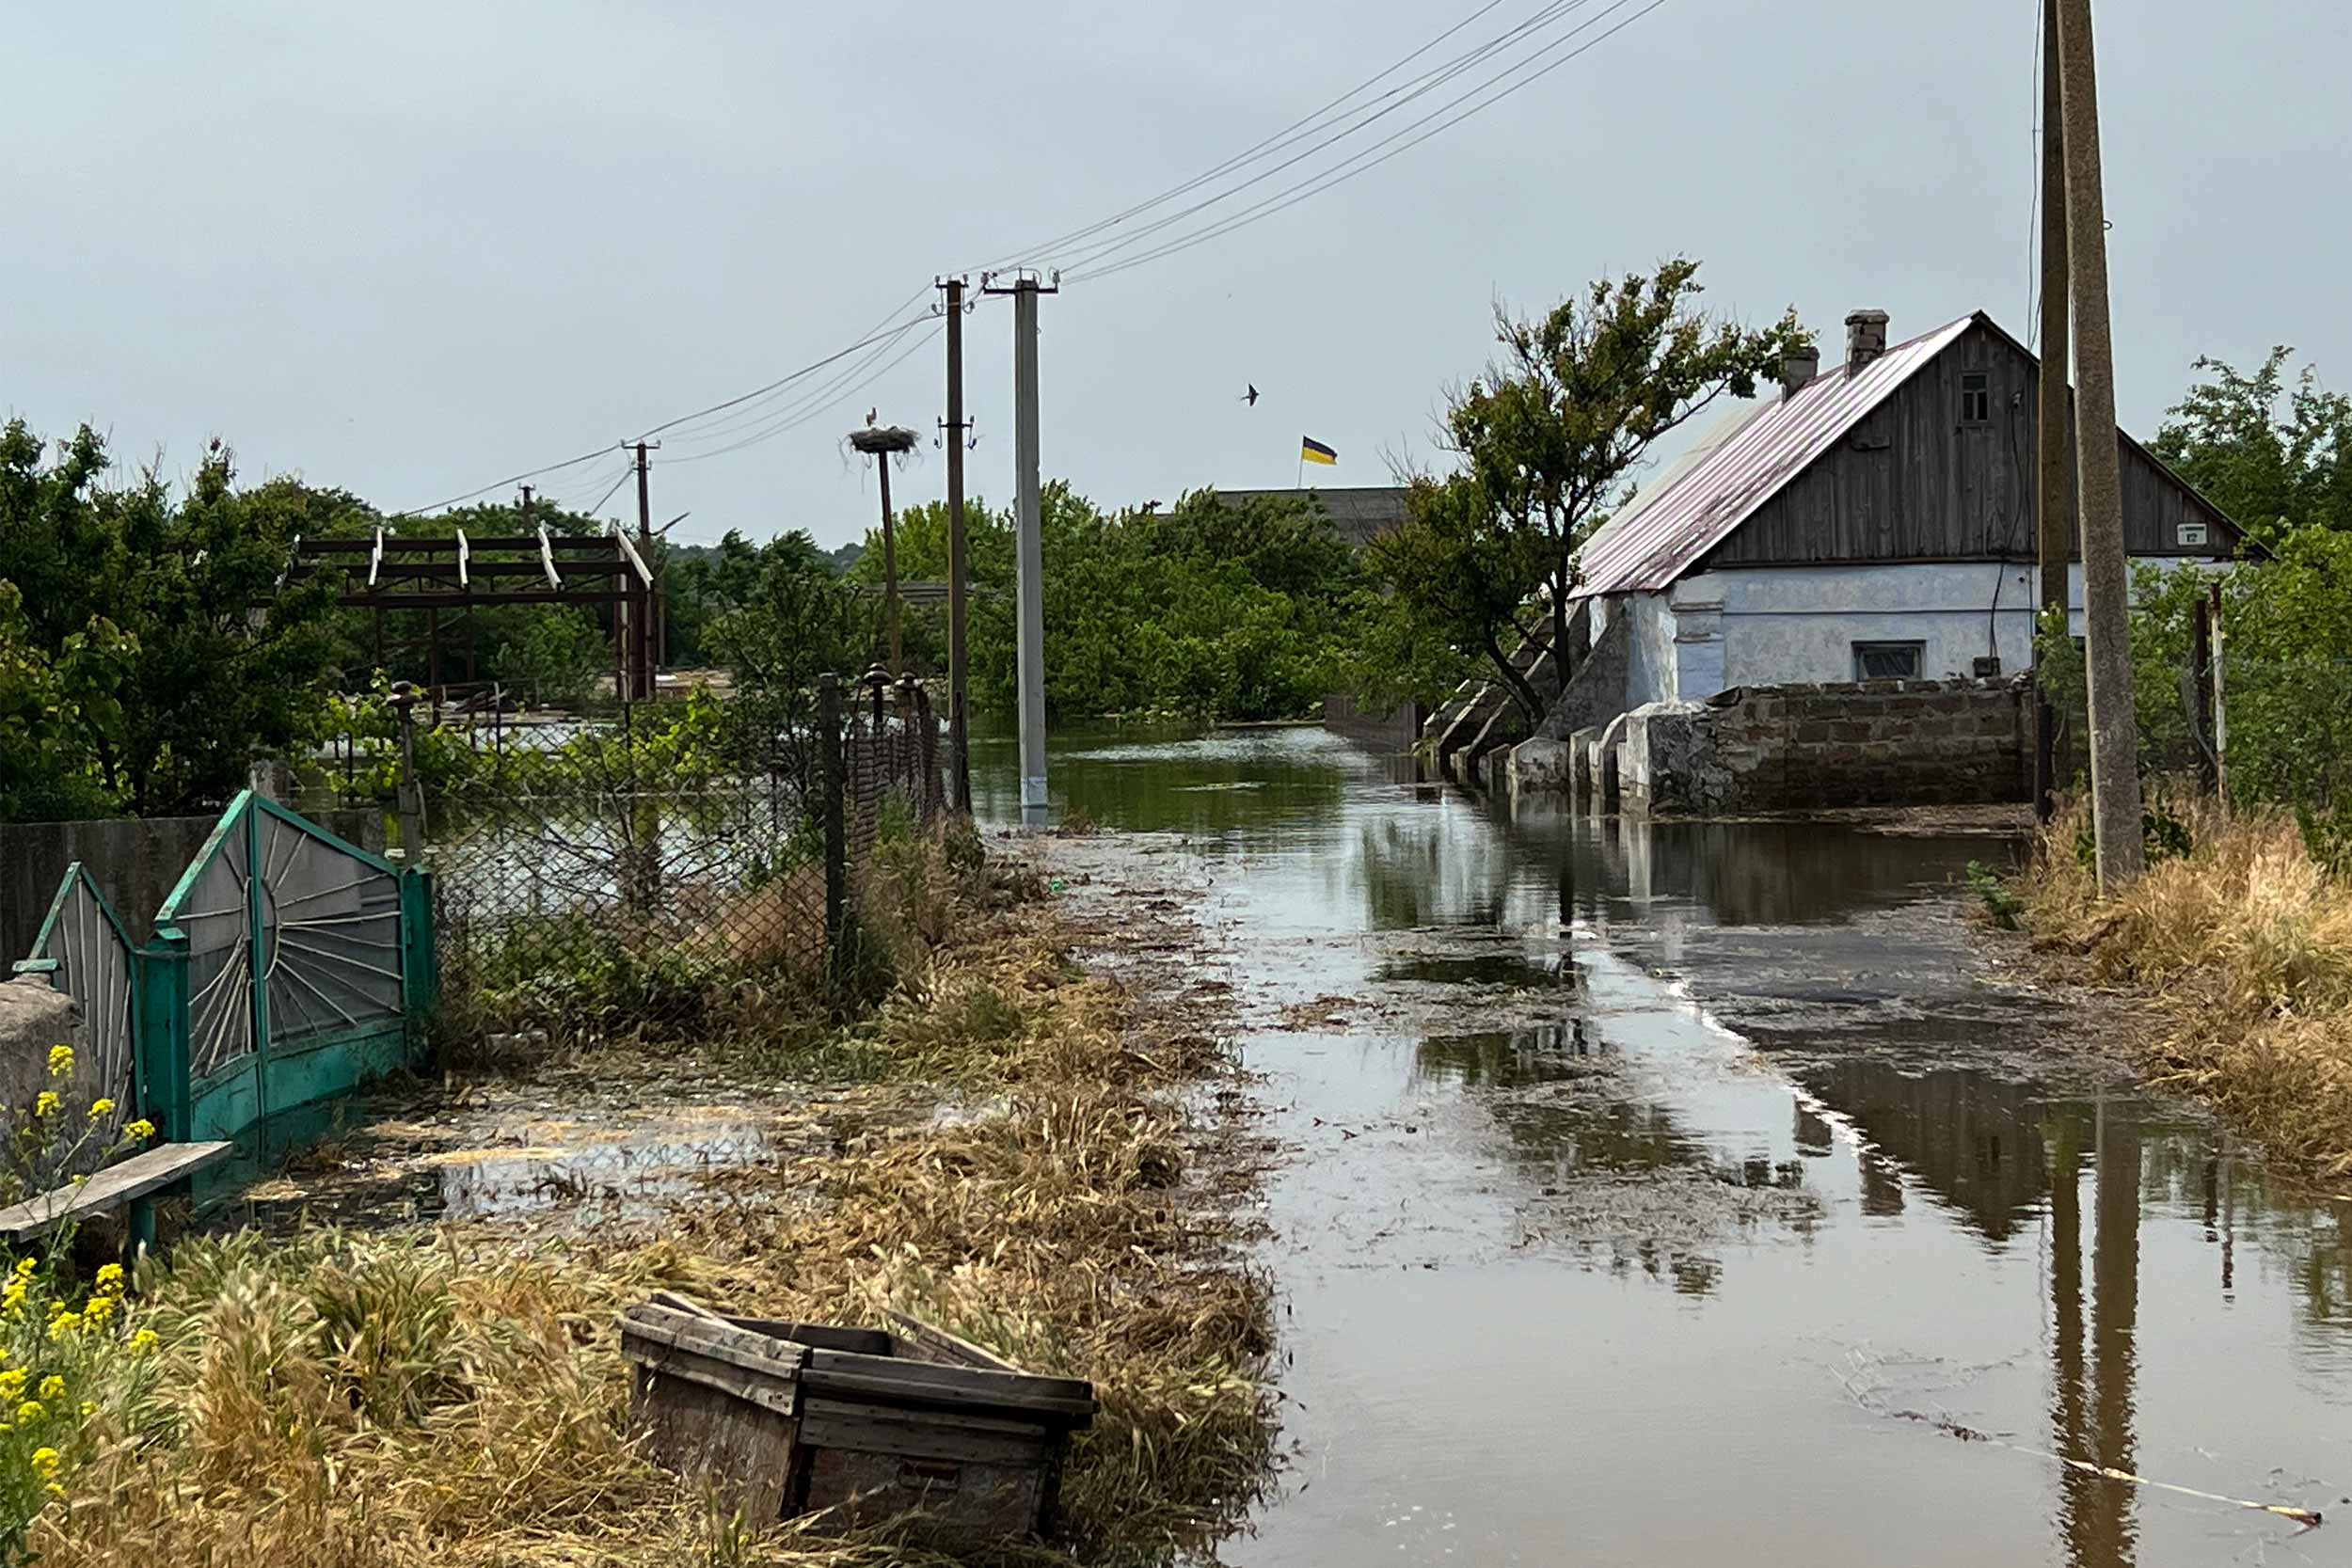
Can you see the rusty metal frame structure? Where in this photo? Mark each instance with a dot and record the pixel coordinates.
(389, 572)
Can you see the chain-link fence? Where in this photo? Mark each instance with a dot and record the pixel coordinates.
(644, 871)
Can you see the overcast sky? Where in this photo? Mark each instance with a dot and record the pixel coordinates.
(410, 250)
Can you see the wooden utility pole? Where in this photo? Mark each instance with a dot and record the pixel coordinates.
(959, 737)
(636, 608)
(2106, 588)
(2201, 695)
(890, 568)
(2054, 510)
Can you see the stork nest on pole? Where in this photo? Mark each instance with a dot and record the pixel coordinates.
(882, 441)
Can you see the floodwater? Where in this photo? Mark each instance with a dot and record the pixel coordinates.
(1677, 1194)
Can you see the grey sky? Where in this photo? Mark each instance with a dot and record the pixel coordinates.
(408, 249)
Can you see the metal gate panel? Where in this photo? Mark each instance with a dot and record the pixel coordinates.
(212, 907)
(82, 948)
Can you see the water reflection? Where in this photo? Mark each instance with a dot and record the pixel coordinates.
(1901, 1166)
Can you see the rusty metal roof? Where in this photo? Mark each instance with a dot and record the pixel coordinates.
(1654, 540)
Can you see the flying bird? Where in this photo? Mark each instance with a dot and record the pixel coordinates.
(1251, 396)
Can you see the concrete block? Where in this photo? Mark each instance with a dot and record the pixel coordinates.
(1539, 766)
(33, 1016)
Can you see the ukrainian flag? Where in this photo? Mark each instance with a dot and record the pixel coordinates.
(1312, 451)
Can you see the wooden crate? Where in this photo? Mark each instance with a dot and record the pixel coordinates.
(783, 1419)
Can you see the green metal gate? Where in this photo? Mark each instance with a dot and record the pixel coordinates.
(287, 968)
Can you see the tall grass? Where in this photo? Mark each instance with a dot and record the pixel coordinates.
(2245, 942)
(345, 1401)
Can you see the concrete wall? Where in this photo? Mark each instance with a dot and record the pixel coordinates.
(1800, 747)
(135, 863)
(1395, 730)
(1650, 673)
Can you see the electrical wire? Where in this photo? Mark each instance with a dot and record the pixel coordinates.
(799, 419)
(874, 335)
(1280, 138)
(1429, 82)
(500, 484)
(1341, 173)
(591, 510)
(750, 417)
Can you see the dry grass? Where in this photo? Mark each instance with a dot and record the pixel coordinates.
(458, 1397)
(2245, 944)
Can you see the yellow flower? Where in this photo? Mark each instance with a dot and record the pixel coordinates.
(31, 1410)
(11, 1382)
(54, 1490)
(64, 1324)
(60, 1060)
(57, 1310)
(101, 1108)
(89, 1408)
(47, 1105)
(143, 1341)
(46, 1461)
(52, 1385)
(27, 1267)
(98, 1309)
(110, 1277)
(13, 1300)
(139, 1130)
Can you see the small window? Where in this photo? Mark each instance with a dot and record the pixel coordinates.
(1888, 662)
(1975, 398)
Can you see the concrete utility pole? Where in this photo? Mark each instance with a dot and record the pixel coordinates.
(959, 737)
(641, 639)
(2106, 591)
(2054, 504)
(1030, 553)
(890, 568)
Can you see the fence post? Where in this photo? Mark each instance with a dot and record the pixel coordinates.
(409, 792)
(420, 967)
(837, 836)
(2220, 700)
(2201, 683)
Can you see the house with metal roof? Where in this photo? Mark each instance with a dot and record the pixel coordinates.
(1876, 519)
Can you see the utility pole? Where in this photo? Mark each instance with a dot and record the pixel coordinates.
(1030, 554)
(890, 568)
(2054, 504)
(638, 663)
(959, 737)
(2106, 589)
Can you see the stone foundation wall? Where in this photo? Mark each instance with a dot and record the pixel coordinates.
(1793, 748)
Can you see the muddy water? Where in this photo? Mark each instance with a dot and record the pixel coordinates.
(1693, 1193)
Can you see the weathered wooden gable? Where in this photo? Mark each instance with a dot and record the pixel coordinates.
(1943, 471)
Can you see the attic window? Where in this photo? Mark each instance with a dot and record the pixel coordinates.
(1975, 398)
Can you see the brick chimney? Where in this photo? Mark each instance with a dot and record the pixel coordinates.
(1797, 370)
(1866, 337)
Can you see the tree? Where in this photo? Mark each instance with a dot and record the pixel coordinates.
(2273, 457)
(220, 659)
(1547, 438)
(1454, 587)
(55, 714)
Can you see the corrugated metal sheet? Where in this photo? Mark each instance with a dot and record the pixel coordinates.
(1648, 546)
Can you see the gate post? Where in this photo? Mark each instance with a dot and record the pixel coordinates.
(420, 960)
(162, 1017)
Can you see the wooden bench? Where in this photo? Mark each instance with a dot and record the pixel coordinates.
(131, 1183)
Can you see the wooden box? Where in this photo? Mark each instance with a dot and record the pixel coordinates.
(785, 1419)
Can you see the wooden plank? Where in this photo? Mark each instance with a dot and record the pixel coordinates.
(745, 1453)
(931, 1383)
(113, 1187)
(862, 1341)
(714, 1338)
(944, 1346)
(765, 1389)
(920, 1434)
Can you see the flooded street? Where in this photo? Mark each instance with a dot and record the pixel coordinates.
(1684, 1192)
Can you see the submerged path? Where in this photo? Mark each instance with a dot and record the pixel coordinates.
(1661, 1194)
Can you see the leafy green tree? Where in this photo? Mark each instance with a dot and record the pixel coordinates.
(2273, 456)
(1549, 437)
(556, 659)
(222, 658)
(56, 712)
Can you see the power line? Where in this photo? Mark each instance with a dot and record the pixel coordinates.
(500, 484)
(1427, 83)
(801, 418)
(874, 335)
(1245, 155)
(1339, 174)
